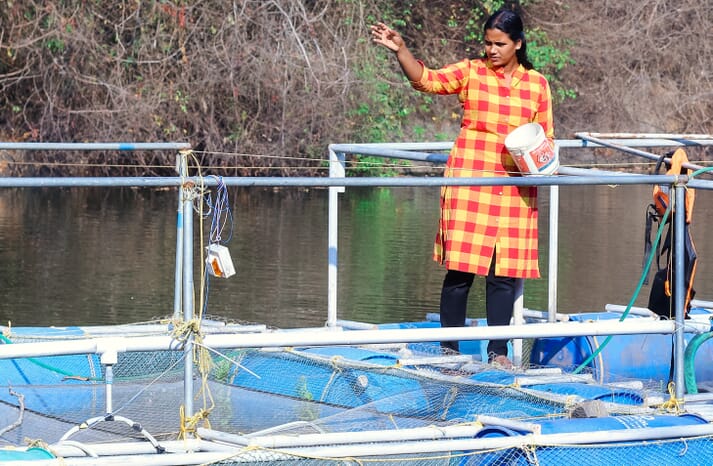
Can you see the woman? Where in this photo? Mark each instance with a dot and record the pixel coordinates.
(484, 230)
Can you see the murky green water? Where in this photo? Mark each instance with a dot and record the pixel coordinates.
(86, 256)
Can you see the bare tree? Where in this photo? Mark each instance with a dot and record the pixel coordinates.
(640, 66)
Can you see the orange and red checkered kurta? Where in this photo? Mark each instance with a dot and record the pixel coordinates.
(476, 220)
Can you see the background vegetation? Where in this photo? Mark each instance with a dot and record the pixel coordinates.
(263, 86)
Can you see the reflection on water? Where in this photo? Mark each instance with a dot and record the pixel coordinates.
(102, 256)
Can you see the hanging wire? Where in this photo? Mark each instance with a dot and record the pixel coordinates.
(220, 213)
(220, 232)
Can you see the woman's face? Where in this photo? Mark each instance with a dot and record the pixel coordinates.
(500, 49)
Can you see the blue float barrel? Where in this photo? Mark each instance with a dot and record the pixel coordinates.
(642, 357)
(582, 425)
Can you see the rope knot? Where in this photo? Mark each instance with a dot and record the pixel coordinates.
(182, 330)
(673, 404)
(189, 424)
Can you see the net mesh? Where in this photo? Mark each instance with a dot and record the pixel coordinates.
(292, 392)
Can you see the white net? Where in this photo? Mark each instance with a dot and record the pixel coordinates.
(270, 400)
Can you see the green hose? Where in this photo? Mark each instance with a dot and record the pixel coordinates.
(690, 372)
(689, 359)
(642, 279)
(699, 171)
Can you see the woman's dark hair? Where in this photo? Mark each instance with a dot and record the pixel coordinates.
(511, 24)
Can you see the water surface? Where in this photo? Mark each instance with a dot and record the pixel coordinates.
(88, 256)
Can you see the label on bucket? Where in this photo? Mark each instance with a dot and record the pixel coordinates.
(542, 156)
(531, 151)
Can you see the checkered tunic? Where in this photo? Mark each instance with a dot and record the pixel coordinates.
(476, 220)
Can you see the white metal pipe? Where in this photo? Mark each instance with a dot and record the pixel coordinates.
(409, 447)
(628, 149)
(633, 140)
(108, 382)
(343, 438)
(418, 146)
(188, 294)
(78, 146)
(595, 178)
(360, 337)
(332, 258)
(490, 443)
(440, 334)
(701, 303)
(684, 136)
(518, 319)
(544, 315)
(637, 311)
(552, 264)
(141, 329)
(679, 291)
(174, 459)
(529, 381)
(576, 171)
(355, 325)
(592, 142)
(391, 152)
(698, 397)
(127, 330)
(543, 371)
(74, 449)
(509, 423)
(379, 447)
(182, 167)
(337, 169)
(445, 359)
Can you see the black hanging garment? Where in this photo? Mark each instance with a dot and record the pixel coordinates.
(662, 286)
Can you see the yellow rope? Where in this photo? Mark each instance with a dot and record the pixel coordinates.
(334, 360)
(183, 330)
(397, 365)
(189, 423)
(36, 443)
(673, 404)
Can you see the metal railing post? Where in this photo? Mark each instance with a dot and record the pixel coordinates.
(679, 219)
(518, 319)
(552, 274)
(336, 170)
(188, 295)
(181, 168)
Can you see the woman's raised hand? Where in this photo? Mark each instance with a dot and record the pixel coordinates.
(384, 35)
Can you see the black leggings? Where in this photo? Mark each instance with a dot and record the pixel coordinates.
(499, 301)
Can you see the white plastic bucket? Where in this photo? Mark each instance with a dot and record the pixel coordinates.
(532, 152)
